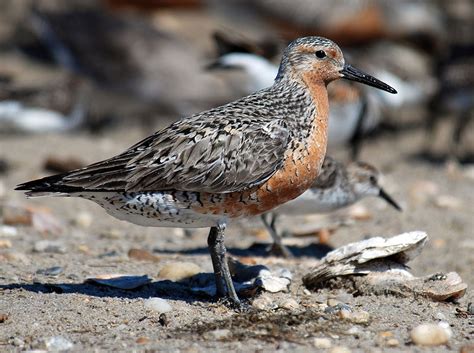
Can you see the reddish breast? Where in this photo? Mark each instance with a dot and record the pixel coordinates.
(301, 166)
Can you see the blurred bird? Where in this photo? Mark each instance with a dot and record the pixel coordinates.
(336, 187)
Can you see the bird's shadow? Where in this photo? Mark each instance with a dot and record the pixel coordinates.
(259, 250)
(165, 289)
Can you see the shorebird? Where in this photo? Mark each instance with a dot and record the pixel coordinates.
(337, 186)
(238, 160)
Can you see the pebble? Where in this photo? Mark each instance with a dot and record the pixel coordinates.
(440, 316)
(157, 304)
(177, 271)
(357, 317)
(58, 343)
(83, 220)
(264, 302)
(14, 257)
(448, 202)
(289, 304)
(142, 340)
(49, 246)
(142, 255)
(18, 342)
(3, 318)
(430, 334)
(322, 343)
(340, 349)
(393, 342)
(219, 334)
(8, 231)
(51, 271)
(5, 244)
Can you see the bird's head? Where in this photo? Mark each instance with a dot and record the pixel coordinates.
(365, 179)
(320, 59)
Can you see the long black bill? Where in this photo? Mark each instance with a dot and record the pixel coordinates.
(389, 199)
(351, 73)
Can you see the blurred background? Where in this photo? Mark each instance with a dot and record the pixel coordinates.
(98, 65)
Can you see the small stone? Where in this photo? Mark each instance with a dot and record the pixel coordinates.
(333, 302)
(58, 343)
(49, 246)
(340, 349)
(83, 220)
(142, 255)
(430, 334)
(142, 340)
(289, 304)
(393, 342)
(3, 318)
(440, 316)
(157, 304)
(14, 257)
(51, 271)
(448, 202)
(353, 331)
(177, 271)
(111, 234)
(18, 342)
(264, 302)
(357, 317)
(322, 343)
(219, 334)
(5, 244)
(8, 231)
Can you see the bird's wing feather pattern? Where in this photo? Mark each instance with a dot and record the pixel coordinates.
(216, 156)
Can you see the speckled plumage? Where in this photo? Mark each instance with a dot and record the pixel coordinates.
(241, 159)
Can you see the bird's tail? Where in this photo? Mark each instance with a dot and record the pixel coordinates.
(48, 186)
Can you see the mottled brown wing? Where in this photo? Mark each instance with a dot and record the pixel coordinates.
(328, 174)
(220, 157)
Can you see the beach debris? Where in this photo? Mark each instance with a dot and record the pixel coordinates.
(51, 271)
(322, 343)
(431, 334)
(120, 281)
(5, 244)
(177, 271)
(382, 264)
(248, 280)
(49, 246)
(58, 344)
(142, 255)
(8, 231)
(159, 305)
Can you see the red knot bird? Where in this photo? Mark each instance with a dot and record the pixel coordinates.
(336, 187)
(238, 160)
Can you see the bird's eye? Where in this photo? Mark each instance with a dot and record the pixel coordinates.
(373, 180)
(320, 54)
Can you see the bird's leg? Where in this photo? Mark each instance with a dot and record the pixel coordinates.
(215, 242)
(277, 242)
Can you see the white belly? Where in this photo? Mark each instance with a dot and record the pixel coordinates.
(311, 202)
(154, 209)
